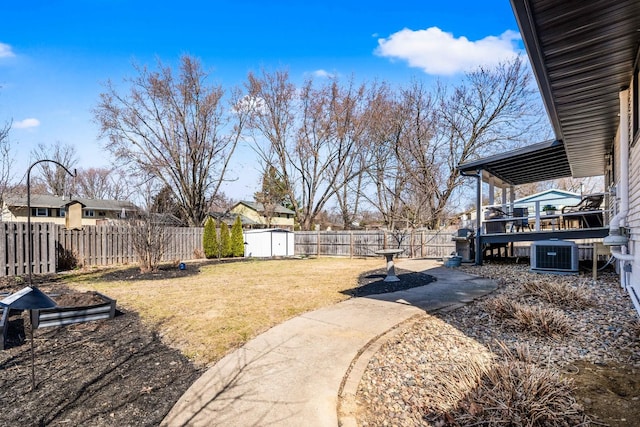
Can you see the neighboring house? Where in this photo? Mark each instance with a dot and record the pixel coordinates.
(555, 198)
(230, 217)
(73, 213)
(281, 218)
(585, 59)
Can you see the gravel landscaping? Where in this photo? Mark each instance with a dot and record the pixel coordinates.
(572, 345)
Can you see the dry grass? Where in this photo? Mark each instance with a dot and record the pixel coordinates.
(516, 392)
(536, 319)
(558, 293)
(222, 306)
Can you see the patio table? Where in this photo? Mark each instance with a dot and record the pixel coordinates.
(391, 271)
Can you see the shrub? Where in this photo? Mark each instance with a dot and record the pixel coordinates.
(225, 240)
(210, 242)
(237, 239)
(149, 239)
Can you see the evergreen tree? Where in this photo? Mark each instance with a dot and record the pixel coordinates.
(225, 240)
(237, 239)
(210, 239)
(273, 193)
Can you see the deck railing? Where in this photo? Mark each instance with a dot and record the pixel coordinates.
(510, 217)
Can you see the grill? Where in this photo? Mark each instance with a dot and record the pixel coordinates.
(464, 244)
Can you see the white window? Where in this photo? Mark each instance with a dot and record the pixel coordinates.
(40, 212)
(62, 212)
(89, 213)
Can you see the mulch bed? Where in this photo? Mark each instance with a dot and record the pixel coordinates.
(102, 373)
(109, 372)
(372, 282)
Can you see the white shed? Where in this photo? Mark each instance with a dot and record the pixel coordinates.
(269, 242)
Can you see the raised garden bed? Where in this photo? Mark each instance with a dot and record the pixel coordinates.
(72, 308)
(4, 320)
(95, 306)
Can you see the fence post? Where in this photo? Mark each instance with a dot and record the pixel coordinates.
(351, 244)
(411, 249)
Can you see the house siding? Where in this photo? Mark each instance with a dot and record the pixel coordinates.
(277, 220)
(633, 215)
(249, 213)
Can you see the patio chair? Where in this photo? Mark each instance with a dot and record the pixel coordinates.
(521, 219)
(495, 213)
(584, 212)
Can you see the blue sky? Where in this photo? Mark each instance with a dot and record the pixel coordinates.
(55, 54)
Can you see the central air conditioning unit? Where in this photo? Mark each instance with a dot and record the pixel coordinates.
(554, 256)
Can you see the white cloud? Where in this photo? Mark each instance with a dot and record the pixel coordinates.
(26, 124)
(6, 51)
(323, 74)
(439, 53)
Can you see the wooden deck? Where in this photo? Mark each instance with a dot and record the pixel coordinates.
(532, 236)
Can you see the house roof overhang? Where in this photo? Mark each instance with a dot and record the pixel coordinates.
(543, 161)
(582, 53)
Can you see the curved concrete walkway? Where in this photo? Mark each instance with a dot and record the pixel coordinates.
(293, 374)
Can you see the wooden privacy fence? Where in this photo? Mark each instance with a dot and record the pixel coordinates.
(14, 246)
(56, 247)
(112, 245)
(357, 243)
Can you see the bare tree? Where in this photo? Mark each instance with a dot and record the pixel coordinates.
(420, 137)
(5, 160)
(99, 183)
(350, 116)
(306, 141)
(57, 180)
(385, 173)
(493, 109)
(174, 128)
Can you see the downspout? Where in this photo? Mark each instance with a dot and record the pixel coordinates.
(617, 240)
(478, 248)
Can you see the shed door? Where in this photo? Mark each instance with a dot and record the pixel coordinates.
(278, 244)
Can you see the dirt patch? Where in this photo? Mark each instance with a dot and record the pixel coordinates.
(609, 393)
(76, 299)
(102, 373)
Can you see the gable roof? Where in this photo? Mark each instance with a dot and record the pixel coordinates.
(582, 53)
(230, 217)
(549, 194)
(259, 207)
